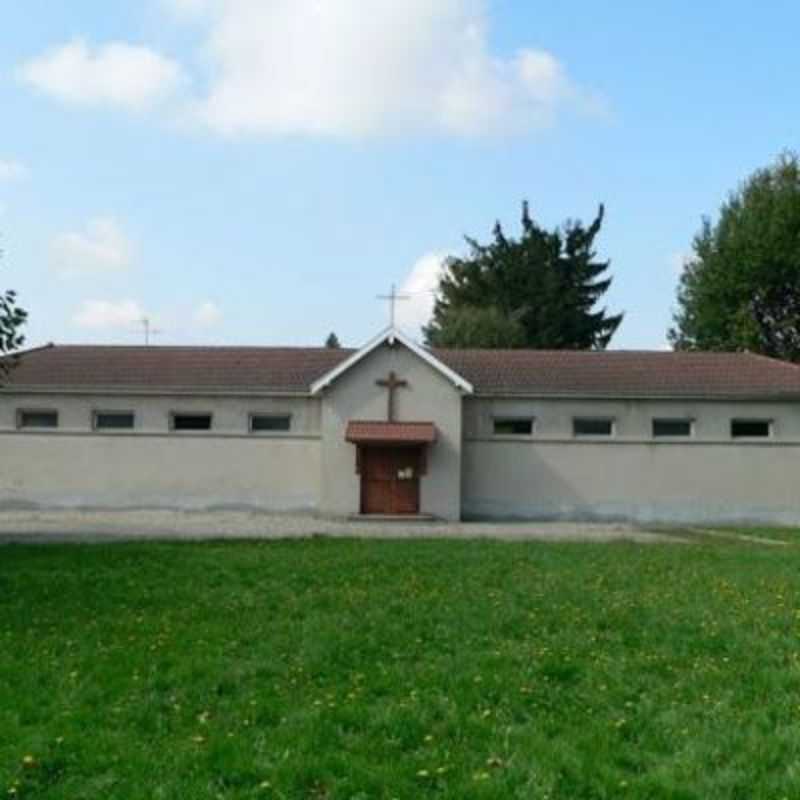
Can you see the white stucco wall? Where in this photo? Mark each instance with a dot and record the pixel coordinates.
(428, 397)
(708, 478)
(153, 467)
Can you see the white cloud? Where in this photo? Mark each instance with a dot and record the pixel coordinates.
(104, 314)
(102, 247)
(343, 68)
(207, 315)
(115, 74)
(127, 315)
(12, 171)
(420, 285)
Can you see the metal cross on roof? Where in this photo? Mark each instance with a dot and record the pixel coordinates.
(393, 297)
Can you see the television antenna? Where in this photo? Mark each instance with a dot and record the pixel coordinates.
(148, 330)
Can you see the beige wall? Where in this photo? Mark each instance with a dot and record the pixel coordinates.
(151, 466)
(708, 478)
(429, 397)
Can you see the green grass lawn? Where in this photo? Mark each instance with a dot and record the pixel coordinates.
(356, 669)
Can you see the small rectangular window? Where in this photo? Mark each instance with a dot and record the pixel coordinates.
(37, 419)
(114, 420)
(513, 426)
(672, 427)
(191, 422)
(750, 428)
(270, 422)
(592, 426)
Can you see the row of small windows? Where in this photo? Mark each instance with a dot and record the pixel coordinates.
(661, 428)
(503, 426)
(126, 421)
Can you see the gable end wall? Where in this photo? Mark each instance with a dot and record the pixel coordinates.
(429, 397)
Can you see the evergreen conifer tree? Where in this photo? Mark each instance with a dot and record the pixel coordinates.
(546, 284)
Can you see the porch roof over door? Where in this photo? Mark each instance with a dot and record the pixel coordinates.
(373, 432)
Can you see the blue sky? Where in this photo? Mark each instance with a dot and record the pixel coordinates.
(255, 172)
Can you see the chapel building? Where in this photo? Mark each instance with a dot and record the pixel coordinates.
(398, 429)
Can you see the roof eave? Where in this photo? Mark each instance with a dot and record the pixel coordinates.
(152, 390)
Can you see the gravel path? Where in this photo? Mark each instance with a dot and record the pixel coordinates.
(92, 526)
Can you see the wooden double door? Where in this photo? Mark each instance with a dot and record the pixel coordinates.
(390, 479)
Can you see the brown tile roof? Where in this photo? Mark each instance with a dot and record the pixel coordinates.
(499, 372)
(367, 432)
(268, 369)
(624, 373)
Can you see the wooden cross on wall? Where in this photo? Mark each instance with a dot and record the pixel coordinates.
(392, 383)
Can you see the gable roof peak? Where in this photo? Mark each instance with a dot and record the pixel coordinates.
(391, 336)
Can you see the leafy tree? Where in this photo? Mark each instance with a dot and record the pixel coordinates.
(470, 326)
(740, 290)
(332, 341)
(536, 291)
(12, 319)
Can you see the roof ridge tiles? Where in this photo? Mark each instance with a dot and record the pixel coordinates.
(196, 347)
(772, 359)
